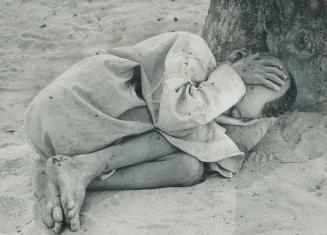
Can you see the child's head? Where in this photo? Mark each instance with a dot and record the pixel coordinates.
(259, 101)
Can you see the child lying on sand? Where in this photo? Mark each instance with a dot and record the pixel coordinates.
(146, 117)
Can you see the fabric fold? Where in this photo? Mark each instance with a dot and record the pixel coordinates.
(168, 83)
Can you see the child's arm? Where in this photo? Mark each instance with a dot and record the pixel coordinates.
(186, 105)
(187, 99)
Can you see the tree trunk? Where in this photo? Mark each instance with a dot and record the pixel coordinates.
(293, 30)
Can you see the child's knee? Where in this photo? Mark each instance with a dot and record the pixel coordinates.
(191, 171)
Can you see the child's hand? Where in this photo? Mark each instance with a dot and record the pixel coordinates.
(258, 71)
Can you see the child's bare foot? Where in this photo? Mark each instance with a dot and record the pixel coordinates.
(49, 199)
(65, 173)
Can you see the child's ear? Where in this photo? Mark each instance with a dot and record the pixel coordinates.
(238, 54)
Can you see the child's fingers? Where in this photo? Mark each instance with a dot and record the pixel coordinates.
(270, 85)
(274, 78)
(274, 70)
(269, 62)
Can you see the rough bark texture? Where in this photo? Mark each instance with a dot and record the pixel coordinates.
(293, 30)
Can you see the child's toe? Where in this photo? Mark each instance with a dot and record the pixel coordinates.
(58, 218)
(47, 215)
(66, 204)
(48, 220)
(57, 227)
(70, 204)
(57, 214)
(72, 213)
(75, 223)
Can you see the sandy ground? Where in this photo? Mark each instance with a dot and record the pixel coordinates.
(40, 39)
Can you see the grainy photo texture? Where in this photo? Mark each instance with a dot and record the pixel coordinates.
(163, 117)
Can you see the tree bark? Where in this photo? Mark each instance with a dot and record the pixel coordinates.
(293, 30)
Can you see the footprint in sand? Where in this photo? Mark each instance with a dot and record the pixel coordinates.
(318, 188)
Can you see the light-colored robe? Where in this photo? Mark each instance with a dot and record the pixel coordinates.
(168, 83)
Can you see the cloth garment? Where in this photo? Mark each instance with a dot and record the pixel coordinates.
(168, 83)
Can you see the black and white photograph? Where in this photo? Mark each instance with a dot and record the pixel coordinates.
(163, 117)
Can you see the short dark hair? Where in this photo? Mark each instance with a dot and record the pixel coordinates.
(282, 104)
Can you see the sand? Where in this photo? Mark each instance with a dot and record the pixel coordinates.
(282, 189)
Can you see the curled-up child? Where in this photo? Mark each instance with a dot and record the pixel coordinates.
(146, 116)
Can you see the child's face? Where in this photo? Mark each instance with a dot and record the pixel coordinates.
(255, 98)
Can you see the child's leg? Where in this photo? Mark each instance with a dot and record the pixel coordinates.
(72, 175)
(177, 169)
